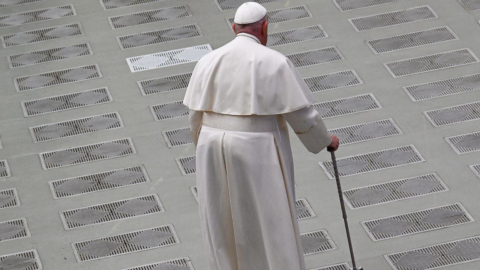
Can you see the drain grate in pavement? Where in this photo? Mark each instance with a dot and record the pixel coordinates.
(366, 131)
(453, 115)
(346, 5)
(37, 16)
(470, 5)
(476, 169)
(443, 88)
(417, 222)
(231, 4)
(110, 4)
(159, 36)
(150, 16)
(177, 137)
(436, 256)
(125, 243)
(13, 229)
(169, 110)
(187, 165)
(393, 18)
(9, 198)
(315, 57)
(333, 80)
(27, 260)
(41, 35)
(66, 102)
(87, 153)
(4, 169)
(431, 63)
(58, 77)
(282, 15)
(176, 264)
(76, 127)
(8, 3)
(98, 182)
(342, 266)
(465, 143)
(165, 84)
(303, 209)
(316, 242)
(296, 35)
(394, 191)
(374, 161)
(118, 210)
(411, 40)
(346, 106)
(168, 58)
(44, 56)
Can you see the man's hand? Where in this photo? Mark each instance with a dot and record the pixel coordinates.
(334, 145)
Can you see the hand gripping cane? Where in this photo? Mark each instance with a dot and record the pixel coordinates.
(340, 194)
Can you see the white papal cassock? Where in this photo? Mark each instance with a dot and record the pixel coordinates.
(241, 97)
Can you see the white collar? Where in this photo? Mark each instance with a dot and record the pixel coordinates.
(250, 36)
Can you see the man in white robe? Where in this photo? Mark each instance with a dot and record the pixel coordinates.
(241, 97)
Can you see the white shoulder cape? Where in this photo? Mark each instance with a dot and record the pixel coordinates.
(246, 78)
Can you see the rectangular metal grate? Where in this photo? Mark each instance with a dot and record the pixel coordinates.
(40, 35)
(296, 35)
(27, 260)
(417, 222)
(168, 58)
(476, 169)
(66, 102)
(411, 40)
(303, 209)
(125, 243)
(50, 55)
(393, 18)
(37, 16)
(177, 137)
(108, 212)
(97, 182)
(76, 127)
(470, 5)
(17, 2)
(346, 106)
(316, 242)
(394, 191)
(87, 153)
(443, 88)
(233, 4)
(111, 4)
(150, 16)
(374, 161)
(431, 62)
(180, 264)
(187, 165)
(13, 229)
(454, 115)
(465, 143)
(4, 169)
(366, 131)
(282, 15)
(169, 110)
(342, 266)
(436, 256)
(315, 57)
(159, 36)
(346, 5)
(9, 198)
(164, 84)
(58, 77)
(334, 80)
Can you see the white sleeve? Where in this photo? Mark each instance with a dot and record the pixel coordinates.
(309, 127)
(195, 119)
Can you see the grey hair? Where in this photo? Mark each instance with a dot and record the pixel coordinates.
(256, 26)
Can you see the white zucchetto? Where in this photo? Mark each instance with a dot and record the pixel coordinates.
(249, 12)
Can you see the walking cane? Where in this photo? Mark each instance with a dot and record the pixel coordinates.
(340, 194)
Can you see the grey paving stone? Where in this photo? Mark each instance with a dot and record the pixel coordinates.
(315, 242)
